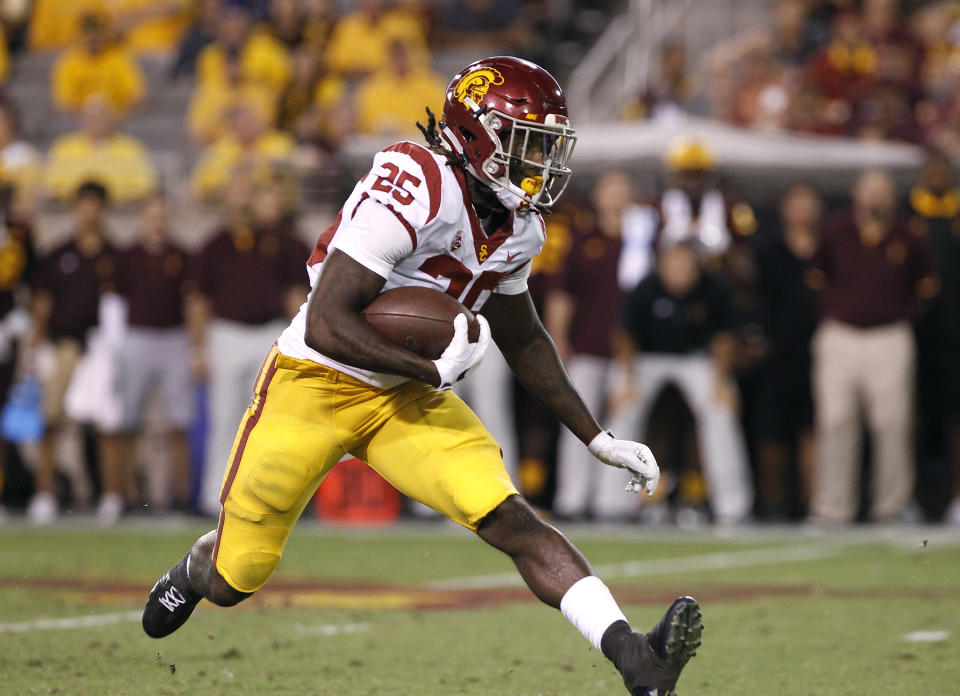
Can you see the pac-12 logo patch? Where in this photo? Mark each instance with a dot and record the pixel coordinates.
(474, 84)
(457, 241)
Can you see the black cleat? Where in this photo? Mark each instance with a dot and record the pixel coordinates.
(651, 663)
(171, 602)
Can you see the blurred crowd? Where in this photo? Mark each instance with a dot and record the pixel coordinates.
(869, 69)
(757, 348)
(785, 362)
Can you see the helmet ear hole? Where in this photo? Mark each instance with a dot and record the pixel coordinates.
(467, 135)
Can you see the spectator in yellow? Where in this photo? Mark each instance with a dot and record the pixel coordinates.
(251, 145)
(19, 161)
(395, 98)
(263, 60)
(211, 102)
(310, 88)
(150, 26)
(97, 66)
(97, 152)
(360, 42)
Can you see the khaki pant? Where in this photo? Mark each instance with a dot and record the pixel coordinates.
(868, 369)
(67, 352)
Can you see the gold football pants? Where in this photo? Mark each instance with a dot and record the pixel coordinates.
(302, 420)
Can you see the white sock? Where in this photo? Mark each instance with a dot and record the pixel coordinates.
(590, 607)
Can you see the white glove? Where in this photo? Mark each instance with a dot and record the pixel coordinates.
(632, 456)
(461, 357)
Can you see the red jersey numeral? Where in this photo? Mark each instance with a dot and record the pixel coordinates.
(460, 277)
(393, 183)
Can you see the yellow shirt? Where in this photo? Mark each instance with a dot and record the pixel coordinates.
(263, 60)
(55, 24)
(114, 73)
(4, 57)
(20, 166)
(120, 162)
(207, 118)
(218, 162)
(360, 46)
(387, 103)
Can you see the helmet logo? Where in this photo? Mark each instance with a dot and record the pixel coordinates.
(474, 84)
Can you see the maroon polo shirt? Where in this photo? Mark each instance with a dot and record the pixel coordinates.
(246, 274)
(153, 281)
(589, 276)
(76, 282)
(869, 286)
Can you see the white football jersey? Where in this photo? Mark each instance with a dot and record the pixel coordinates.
(410, 220)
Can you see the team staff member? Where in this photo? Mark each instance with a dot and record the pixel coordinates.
(872, 272)
(678, 324)
(67, 290)
(250, 281)
(152, 278)
(582, 311)
(461, 217)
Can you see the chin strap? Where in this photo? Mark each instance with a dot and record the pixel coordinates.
(508, 199)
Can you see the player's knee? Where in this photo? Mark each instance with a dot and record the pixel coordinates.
(510, 523)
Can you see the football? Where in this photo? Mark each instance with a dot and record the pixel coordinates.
(419, 319)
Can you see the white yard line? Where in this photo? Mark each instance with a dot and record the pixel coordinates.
(723, 560)
(70, 622)
(925, 636)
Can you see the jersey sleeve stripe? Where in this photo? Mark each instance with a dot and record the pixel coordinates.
(403, 221)
(431, 171)
(323, 241)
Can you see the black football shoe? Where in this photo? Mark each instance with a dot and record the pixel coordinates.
(171, 602)
(651, 664)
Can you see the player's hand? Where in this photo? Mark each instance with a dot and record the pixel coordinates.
(461, 357)
(632, 456)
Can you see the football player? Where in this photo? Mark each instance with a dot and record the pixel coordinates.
(463, 216)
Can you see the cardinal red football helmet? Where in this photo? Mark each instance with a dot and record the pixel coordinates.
(507, 117)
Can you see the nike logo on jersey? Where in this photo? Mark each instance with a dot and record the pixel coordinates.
(511, 257)
(172, 599)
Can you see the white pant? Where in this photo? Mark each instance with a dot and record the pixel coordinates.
(872, 368)
(585, 484)
(235, 352)
(723, 453)
(489, 392)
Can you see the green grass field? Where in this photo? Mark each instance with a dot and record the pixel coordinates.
(429, 610)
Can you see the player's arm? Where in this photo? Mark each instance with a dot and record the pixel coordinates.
(531, 354)
(336, 327)
(526, 345)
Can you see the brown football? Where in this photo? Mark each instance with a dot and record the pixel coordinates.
(419, 319)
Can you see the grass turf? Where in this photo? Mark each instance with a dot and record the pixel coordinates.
(829, 619)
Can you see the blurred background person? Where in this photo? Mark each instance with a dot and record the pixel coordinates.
(154, 356)
(581, 314)
(68, 285)
(17, 265)
(678, 329)
(20, 163)
(934, 209)
(251, 280)
(392, 100)
(251, 146)
(99, 152)
(260, 58)
(789, 315)
(97, 65)
(359, 44)
(872, 273)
